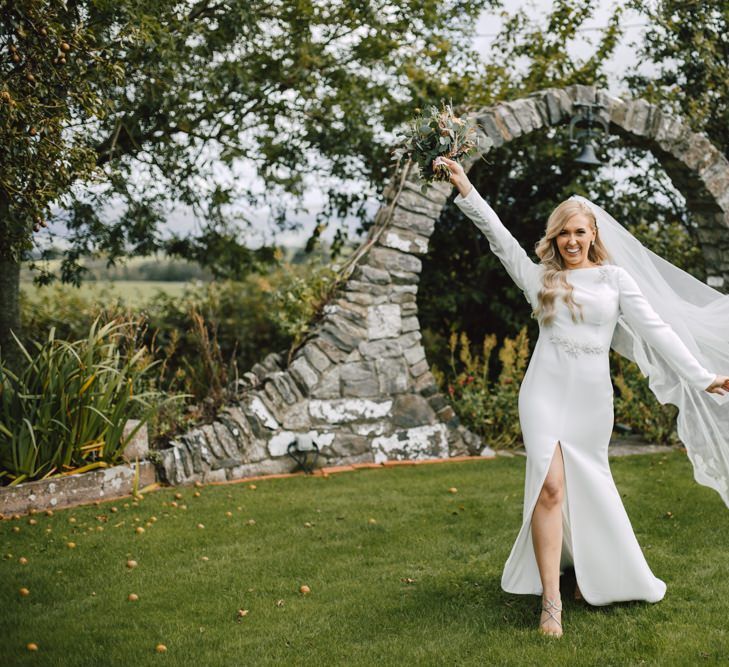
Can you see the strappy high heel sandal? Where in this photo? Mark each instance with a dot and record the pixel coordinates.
(550, 606)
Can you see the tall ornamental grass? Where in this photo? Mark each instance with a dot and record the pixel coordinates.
(65, 408)
(487, 403)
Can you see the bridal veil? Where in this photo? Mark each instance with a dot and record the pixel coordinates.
(699, 314)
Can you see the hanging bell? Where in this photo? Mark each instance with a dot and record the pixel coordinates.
(587, 156)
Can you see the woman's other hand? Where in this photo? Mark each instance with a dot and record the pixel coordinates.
(720, 385)
(458, 176)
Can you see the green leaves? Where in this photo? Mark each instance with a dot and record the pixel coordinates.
(67, 405)
(687, 52)
(55, 79)
(487, 406)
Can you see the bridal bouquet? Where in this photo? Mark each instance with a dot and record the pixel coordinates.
(439, 133)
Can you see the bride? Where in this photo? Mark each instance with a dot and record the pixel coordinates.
(586, 298)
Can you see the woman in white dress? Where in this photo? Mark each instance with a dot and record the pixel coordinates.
(573, 514)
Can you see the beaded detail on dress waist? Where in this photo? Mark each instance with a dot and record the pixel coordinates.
(575, 347)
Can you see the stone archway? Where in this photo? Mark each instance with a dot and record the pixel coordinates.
(361, 384)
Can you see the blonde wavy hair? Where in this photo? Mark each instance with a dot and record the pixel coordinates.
(554, 281)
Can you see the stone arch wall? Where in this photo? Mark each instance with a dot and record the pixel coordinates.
(361, 385)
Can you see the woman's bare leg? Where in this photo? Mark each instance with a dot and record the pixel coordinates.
(547, 537)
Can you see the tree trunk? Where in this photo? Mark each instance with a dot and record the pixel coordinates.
(9, 309)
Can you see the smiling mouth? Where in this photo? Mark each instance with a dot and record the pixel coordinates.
(576, 251)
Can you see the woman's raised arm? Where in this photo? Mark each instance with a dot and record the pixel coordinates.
(523, 271)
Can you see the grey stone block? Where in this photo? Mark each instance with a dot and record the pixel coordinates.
(378, 349)
(526, 115)
(208, 437)
(425, 385)
(254, 451)
(272, 362)
(403, 297)
(404, 289)
(137, 446)
(492, 128)
(236, 420)
(226, 463)
(404, 278)
(212, 476)
(418, 223)
(383, 321)
(361, 298)
(329, 385)
(582, 94)
(272, 397)
(409, 339)
(539, 101)
(287, 388)
(226, 439)
(335, 336)
(437, 193)
(437, 402)
(404, 240)
(316, 357)
(81, 488)
(359, 379)
(637, 117)
(366, 288)
(335, 353)
(387, 258)
(415, 203)
(410, 410)
(393, 375)
(184, 462)
(418, 369)
(265, 467)
(409, 309)
(414, 354)
(370, 274)
(410, 324)
(304, 374)
(348, 445)
(503, 112)
(555, 105)
(296, 418)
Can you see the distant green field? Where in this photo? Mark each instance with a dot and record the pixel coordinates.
(133, 292)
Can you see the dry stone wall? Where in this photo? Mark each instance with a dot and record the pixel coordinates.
(361, 384)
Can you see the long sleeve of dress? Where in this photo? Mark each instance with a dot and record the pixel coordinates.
(523, 271)
(640, 314)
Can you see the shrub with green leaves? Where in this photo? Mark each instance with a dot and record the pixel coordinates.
(487, 406)
(65, 408)
(637, 407)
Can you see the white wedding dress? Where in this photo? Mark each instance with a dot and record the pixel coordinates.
(566, 397)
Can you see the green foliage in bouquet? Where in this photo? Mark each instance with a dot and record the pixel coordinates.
(439, 132)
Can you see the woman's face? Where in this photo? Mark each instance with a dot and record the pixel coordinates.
(574, 240)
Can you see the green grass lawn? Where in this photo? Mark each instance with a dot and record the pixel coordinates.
(132, 292)
(419, 586)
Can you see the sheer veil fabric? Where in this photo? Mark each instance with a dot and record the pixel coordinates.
(699, 315)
